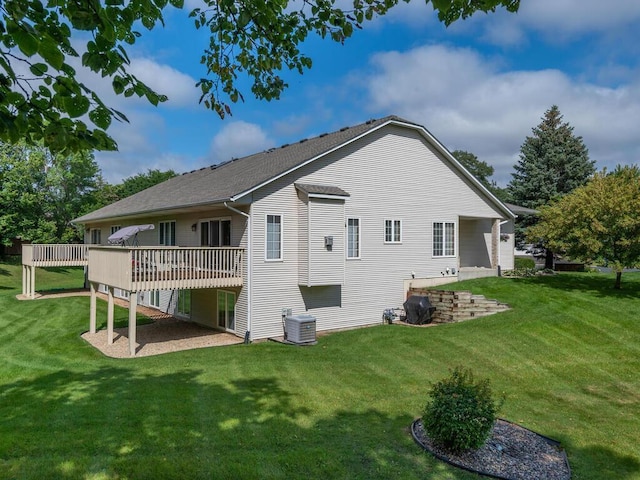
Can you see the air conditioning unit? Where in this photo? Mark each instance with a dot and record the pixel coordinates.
(301, 328)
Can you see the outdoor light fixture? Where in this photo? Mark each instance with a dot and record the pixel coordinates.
(194, 227)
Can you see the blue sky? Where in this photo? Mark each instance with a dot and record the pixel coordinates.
(481, 85)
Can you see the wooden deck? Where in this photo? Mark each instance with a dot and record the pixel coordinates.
(136, 269)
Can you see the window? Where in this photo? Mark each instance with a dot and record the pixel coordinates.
(184, 303)
(353, 238)
(226, 310)
(114, 229)
(274, 237)
(215, 233)
(95, 236)
(167, 233)
(444, 239)
(392, 229)
(154, 298)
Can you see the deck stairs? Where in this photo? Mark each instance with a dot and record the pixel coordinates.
(452, 307)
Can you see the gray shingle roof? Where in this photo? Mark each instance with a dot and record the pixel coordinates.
(321, 190)
(232, 179)
(518, 210)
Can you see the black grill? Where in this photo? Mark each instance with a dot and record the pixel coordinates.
(418, 310)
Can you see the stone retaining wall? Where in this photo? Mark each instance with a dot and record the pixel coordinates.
(454, 307)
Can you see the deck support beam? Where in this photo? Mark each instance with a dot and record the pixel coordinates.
(133, 304)
(110, 316)
(24, 280)
(92, 308)
(33, 282)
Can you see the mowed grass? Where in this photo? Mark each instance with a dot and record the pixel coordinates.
(567, 358)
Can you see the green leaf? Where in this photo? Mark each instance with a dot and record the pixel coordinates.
(50, 53)
(101, 117)
(119, 115)
(39, 69)
(102, 141)
(118, 84)
(76, 105)
(27, 43)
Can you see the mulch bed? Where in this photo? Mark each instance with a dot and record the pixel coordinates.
(511, 453)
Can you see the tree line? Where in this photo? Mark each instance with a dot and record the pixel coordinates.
(41, 192)
(582, 214)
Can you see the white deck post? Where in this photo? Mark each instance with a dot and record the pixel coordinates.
(32, 277)
(92, 308)
(133, 303)
(24, 280)
(110, 316)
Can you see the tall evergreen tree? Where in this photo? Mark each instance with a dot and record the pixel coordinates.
(553, 162)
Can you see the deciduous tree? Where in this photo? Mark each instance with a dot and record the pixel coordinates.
(43, 101)
(142, 181)
(598, 221)
(481, 170)
(41, 193)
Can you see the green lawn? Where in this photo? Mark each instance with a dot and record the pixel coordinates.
(567, 357)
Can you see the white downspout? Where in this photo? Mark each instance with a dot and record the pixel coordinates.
(249, 263)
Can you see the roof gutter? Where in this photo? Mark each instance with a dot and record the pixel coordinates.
(247, 336)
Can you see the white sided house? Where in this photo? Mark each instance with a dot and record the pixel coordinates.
(336, 226)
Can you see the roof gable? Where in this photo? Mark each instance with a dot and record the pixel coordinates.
(234, 179)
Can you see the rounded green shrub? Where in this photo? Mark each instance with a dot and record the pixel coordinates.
(523, 263)
(460, 412)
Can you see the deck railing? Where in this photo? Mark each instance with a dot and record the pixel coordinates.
(165, 268)
(54, 255)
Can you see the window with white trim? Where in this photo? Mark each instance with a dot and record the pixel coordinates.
(353, 238)
(273, 247)
(392, 231)
(167, 233)
(95, 236)
(444, 241)
(114, 229)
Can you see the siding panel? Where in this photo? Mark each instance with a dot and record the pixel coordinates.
(326, 265)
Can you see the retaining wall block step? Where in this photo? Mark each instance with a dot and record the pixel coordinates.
(454, 307)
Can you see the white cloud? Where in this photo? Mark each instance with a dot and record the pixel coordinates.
(468, 103)
(179, 87)
(579, 16)
(237, 139)
(556, 20)
(117, 166)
